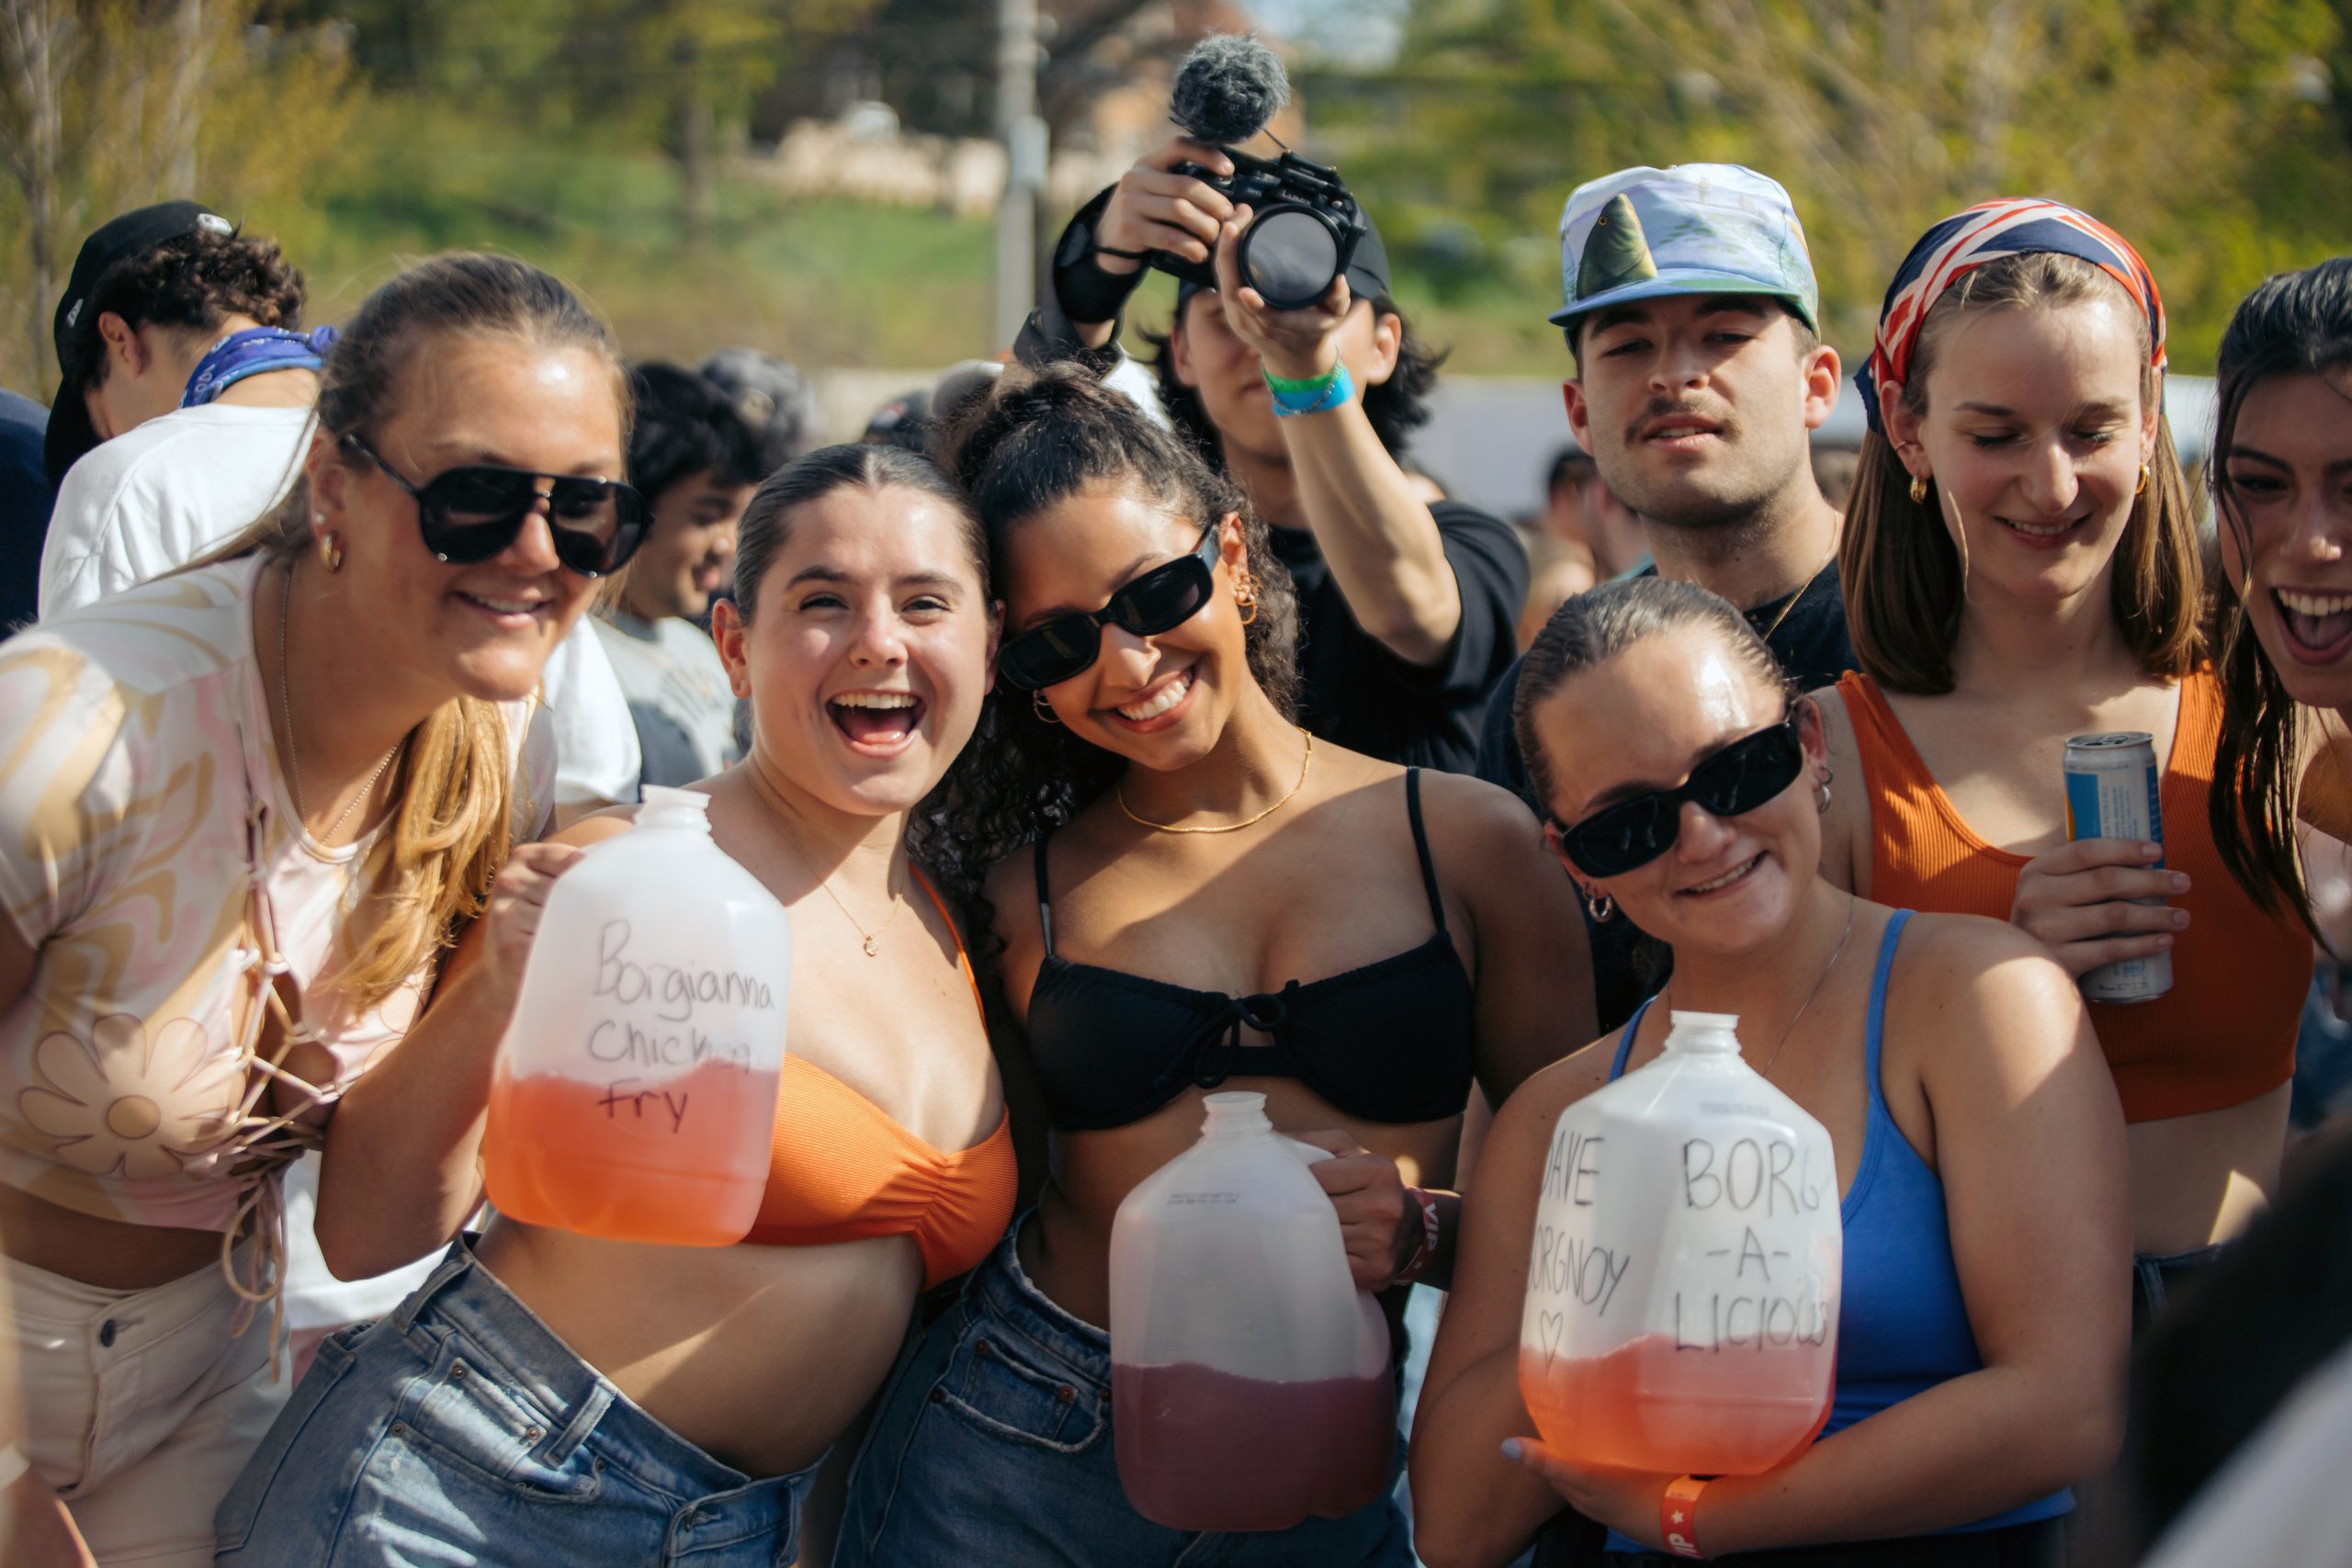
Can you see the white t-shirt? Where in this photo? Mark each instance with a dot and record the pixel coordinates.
(678, 695)
(161, 494)
(156, 497)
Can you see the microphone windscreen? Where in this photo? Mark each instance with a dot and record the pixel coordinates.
(1228, 88)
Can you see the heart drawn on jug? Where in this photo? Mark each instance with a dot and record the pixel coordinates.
(1551, 1325)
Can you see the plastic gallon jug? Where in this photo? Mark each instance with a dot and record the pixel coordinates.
(1681, 1310)
(1250, 1378)
(635, 1091)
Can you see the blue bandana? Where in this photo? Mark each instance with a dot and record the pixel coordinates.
(250, 353)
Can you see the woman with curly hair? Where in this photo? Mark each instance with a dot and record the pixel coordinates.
(1188, 891)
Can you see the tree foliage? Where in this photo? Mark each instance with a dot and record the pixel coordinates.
(2214, 133)
(108, 103)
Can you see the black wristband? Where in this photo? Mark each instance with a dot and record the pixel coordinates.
(1086, 292)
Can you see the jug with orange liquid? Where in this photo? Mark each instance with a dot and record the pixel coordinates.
(635, 1092)
(1250, 1378)
(1681, 1312)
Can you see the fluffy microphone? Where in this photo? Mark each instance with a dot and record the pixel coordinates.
(1228, 88)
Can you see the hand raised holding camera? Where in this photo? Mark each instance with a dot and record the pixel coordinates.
(1297, 345)
(1155, 207)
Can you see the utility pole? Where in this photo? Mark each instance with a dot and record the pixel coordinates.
(1023, 136)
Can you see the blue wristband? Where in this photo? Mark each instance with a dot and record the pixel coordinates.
(1320, 397)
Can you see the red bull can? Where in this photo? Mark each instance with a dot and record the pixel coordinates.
(2111, 784)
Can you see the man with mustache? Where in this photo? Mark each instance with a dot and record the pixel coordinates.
(1691, 313)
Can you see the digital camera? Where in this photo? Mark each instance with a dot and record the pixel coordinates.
(1301, 236)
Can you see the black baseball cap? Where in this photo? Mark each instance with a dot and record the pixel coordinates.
(75, 328)
(1367, 270)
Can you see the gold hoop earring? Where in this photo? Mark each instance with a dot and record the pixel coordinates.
(331, 552)
(1919, 491)
(1245, 597)
(2141, 489)
(1042, 708)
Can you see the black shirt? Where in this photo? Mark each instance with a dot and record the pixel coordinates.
(1357, 693)
(1811, 645)
(26, 494)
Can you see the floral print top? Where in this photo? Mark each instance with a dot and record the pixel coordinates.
(151, 857)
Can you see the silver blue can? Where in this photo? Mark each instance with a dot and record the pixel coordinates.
(2111, 793)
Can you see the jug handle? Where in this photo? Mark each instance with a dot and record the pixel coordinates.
(1307, 1153)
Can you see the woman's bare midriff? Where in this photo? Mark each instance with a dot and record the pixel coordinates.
(93, 1251)
(2203, 1179)
(1066, 1253)
(759, 1356)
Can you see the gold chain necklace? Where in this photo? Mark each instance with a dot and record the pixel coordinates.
(1836, 953)
(1304, 762)
(1799, 593)
(286, 711)
(872, 939)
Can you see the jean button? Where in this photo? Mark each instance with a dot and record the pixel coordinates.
(457, 1369)
(107, 1333)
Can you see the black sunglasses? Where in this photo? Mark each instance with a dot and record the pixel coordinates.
(472, 513)
(1158, 601)
(1737, 779)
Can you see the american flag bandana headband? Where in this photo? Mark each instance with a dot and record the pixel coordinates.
(1966, 240)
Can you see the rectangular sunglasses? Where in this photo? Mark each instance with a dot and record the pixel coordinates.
(472, 513)
(1737, 779)
(1159, 599)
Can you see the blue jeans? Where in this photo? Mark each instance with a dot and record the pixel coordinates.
(992, 1445)
(460, 1432)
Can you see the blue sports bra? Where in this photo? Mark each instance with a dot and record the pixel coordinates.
(1393, 1041)
(1902, 1324)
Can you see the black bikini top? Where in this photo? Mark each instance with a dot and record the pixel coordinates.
(1393, 1041)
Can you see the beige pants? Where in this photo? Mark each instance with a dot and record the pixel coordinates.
(140, 1407)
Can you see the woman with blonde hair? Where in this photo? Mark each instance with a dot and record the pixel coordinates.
(2020, 566)
(242, 812)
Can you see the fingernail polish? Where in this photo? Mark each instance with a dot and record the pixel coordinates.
(1512, 1450)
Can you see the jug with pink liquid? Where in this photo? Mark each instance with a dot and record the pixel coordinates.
(635, 1092)
(1681, 1311)
(1249, 1379)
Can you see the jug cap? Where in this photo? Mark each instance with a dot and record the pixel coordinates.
(1234, 1111)
(674, 810)
(1709, 1032)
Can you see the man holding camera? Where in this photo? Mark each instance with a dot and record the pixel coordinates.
(1406, 606)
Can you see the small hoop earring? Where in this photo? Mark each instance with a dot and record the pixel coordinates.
(331, 551)
(2142, 487)
(1821, 797)
(1600, 908)
(1245, 596)
(1042, 708)
(1919, 491)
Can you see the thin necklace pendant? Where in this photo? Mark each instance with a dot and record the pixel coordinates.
(1305, 762)
(871, 950)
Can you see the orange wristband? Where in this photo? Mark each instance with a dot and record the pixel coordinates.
(1678, 1517)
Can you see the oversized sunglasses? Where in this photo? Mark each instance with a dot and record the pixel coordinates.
(472, 513)
(1737, 779)
(1158, 601)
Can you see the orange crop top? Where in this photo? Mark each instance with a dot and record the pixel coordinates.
(841, 1169)
(2225, 1032)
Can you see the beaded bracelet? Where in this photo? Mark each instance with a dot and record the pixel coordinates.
(1316, 394)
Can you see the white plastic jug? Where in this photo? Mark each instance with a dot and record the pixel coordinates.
(1250, 1378)
(635, 1091)
(1681, 1311)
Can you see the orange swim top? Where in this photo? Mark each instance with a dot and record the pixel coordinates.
(2225, 1032)
(841, 1169)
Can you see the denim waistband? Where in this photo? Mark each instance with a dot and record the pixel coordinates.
(463, 1308)
(2155, 1276)
(1002, 1290)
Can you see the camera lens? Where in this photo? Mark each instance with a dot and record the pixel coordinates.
(1290, 255)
